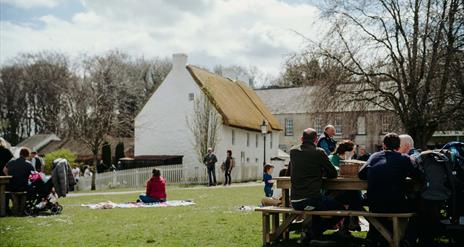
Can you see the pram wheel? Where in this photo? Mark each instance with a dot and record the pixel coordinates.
(56, 209)
(29, 211)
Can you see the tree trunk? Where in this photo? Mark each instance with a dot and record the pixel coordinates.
(93, 187)
(421, 134)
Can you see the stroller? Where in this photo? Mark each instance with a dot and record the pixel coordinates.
(41, 196)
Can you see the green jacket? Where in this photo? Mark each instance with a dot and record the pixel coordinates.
(308, 164)
(335, 159)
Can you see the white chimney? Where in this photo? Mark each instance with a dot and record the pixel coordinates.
(179, 61)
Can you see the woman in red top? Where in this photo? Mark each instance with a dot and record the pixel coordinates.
(156, 189)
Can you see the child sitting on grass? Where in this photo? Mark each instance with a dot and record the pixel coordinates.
(156, 189)
(267, 178)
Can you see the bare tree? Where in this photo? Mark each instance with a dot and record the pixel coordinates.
(204, 123)
(401, 56)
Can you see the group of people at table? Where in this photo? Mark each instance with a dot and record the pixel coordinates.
(386, 172)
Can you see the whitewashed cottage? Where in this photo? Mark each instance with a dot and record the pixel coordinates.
(161, 126)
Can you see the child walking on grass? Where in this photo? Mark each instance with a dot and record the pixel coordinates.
(267, 178)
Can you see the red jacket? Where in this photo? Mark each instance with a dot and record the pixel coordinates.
(156, 188)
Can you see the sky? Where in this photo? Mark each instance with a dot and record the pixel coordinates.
(257, 33)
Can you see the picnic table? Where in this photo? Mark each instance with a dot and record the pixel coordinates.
(4, 180)
(280, 228)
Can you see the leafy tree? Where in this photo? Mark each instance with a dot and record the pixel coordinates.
(61, 153)
(119, 152)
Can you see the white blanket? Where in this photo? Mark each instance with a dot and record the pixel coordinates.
(110, 204)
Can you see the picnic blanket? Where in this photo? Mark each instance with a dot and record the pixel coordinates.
(110, 204)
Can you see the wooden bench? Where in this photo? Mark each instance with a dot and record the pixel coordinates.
(272, 231)
(19, 202)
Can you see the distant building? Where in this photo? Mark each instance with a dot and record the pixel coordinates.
(36, 142)
(293, 107)
(161, 127)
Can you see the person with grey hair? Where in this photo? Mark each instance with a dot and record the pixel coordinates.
(326, 141)
(407, 146)
(210, 163)
(5, 155)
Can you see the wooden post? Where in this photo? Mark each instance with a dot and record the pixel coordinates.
(275, 222)
(3, 204)
(396, 233)
(266, 238)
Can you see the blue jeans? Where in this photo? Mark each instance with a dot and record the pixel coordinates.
(268, 191)
(212, 175)
(148, 199)
(321, 203)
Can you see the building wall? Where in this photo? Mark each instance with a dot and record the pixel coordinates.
(161, 127)
(371, 137)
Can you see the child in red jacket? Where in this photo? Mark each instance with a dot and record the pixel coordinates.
(156, 189)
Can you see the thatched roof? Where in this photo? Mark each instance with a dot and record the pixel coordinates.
(238, 104)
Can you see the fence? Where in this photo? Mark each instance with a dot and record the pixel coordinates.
(174, 174)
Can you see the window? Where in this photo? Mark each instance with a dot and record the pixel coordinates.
(289, 127)
(191, 96)
(361, 125)
(242, 157)
(318, 125)
(257, 140)
(233, 137)
(386, 123)
(338, 125)
(248, 139)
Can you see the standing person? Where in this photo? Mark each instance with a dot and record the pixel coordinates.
(87, 172)
(5, 155)
(210, 163)
(156, 189)
(363, 154)
(227, 167)
(267, 178)
(308, 164)
(326, 141)
(386, 173)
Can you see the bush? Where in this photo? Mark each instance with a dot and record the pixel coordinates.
(119, 152)
(62, 153)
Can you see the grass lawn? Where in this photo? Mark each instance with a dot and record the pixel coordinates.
(214, 221)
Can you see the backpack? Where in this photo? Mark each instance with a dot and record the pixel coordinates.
(436, 175)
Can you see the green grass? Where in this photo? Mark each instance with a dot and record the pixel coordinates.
(214, 221)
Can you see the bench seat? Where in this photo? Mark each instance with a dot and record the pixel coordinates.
(289, 215)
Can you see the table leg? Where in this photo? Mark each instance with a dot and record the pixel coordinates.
(2, 200)
(266, 232)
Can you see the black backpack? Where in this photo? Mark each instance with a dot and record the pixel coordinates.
(436, 175)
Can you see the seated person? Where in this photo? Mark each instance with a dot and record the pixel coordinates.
(308, 164)
(20, 169)
(344, 151)
(386, 173)
(276, 199)
(156, 189)
(351, 198)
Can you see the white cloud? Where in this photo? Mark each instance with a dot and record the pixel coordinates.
(27, 4)
(243, 32)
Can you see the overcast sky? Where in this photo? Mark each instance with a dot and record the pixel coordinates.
(210, 32)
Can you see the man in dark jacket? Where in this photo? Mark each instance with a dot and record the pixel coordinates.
(210, 163)
(19, 169)
(386, 173)
(308, 164)
(326, 141)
